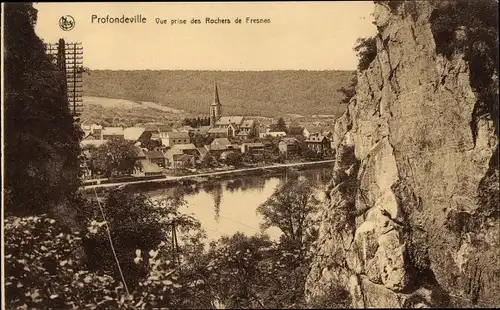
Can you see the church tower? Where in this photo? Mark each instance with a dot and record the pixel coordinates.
(215, 108)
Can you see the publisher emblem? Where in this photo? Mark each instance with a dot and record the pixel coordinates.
(67, 22)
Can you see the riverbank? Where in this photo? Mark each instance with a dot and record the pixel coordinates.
(187, 180)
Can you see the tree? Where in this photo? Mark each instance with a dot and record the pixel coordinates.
(151, 144)
(349, 91)
(236, 260)
(200, 140)
(478, 43)
(41, 141)
(114, 157)
(253, 134)
(208, 161)
(289, 209)
(280, 125)
(233, 159)
(366, 50)
(310, 154)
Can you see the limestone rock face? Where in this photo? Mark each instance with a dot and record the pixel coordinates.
(409, 171)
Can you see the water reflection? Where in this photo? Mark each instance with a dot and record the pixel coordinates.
(225, 207)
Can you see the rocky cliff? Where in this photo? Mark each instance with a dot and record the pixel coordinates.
(411, 220)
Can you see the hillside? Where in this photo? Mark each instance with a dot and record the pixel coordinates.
(267, 93)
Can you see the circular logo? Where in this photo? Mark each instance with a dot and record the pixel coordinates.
(67, 22)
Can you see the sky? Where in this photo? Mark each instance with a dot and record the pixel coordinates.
(300, 36)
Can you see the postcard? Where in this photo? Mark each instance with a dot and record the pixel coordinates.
(241, 155)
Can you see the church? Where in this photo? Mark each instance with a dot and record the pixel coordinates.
(235, 127)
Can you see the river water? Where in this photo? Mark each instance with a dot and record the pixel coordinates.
(225, 207)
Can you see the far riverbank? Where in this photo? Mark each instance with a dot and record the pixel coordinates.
(187, 180)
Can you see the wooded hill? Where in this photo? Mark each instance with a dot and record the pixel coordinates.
(266, 93)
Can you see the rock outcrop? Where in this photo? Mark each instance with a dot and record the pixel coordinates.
(405, 226)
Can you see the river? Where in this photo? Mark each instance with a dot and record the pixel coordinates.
(225, 207)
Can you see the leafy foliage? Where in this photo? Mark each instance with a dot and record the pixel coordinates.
(200, 140)
(349, 91)
(45, 269)
(196, 122)
(208, 161)
(366, 49)
(290, 209)
(41, 140)
(115, 157)
(337, 298)
(234, 159)
(479, 44)
(280, 125)
(266, 93)
(262, 274)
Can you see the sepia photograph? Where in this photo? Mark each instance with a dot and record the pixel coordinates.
(250, 155)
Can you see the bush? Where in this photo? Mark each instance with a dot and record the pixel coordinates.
(366, 50)
(336, 298)
(479, 21)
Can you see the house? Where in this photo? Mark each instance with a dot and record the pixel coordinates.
(202, 130)
(186, 128)
(219, 145)
(252, 148)
(156, 157)
(187, 148)
(225, 132)
(170, 154)
(158, 131)
(288, 146)
(318, 143)
(275, 134)
(313, 130)
(147, 168)
(248, 128)
(172, 138)
(136, 134)
(328, 134)
(93, 130)
(112, 133)
(222, 143)
(92, 142)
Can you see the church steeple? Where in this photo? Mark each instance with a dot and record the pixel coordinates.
(216, 95)
(215, 107)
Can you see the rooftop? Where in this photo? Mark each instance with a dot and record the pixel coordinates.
(112, 131)
(154, 155)
(133, 133)
(318, 138)
(256, 144)
(221, 141)
(182, 157)
(149, 167)
(95, 143)
(187, 146)
(217, 130)
(226, 120)
(177, 135)
(289, 140)
(248, 123)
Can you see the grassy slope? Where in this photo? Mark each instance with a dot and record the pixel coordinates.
(266, 93)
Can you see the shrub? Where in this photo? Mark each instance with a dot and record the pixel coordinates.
(366, 49)
(336, 298)
(479, 20)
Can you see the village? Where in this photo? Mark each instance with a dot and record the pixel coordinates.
(215, 143)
